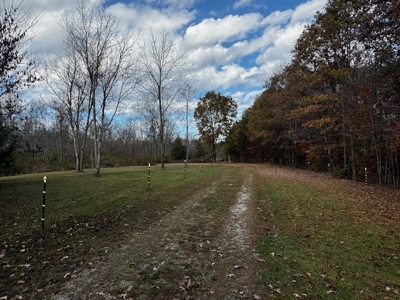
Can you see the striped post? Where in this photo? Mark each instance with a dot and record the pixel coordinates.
(148, 179)
(366, 177)
(44, 201)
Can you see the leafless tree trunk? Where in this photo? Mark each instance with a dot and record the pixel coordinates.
(107, 59)
(161, 62)
(69, 86)
(187, 94)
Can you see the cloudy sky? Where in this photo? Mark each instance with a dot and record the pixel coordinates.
(232, 46)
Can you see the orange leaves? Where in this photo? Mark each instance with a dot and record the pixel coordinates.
(319, 123)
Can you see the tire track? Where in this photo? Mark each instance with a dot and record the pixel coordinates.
(237, 262)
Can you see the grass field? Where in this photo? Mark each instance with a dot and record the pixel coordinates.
(83, 213)
(320, 238)
(329, 239)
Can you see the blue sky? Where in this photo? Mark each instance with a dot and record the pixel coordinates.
(231, 46)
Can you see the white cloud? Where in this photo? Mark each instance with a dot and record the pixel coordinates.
(278, 18)
(212, 31)
(245, 99)
(234, 54)
(306, 11)
(180, 3)
(219, 49)
(242, 3)
(142, 18)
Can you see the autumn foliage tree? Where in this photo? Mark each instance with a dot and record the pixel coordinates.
(335, 103)
(214, 117)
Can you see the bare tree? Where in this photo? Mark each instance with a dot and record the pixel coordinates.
(106, 56)
(69, 86)
(161, 63)
(188, 93)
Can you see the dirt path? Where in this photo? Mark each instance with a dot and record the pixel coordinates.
(204, 249)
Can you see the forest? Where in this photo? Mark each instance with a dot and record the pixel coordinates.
(336, 105)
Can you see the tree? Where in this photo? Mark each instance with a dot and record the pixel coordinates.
(69, 86)
(331, 51)
(178, 151)
(237, 142)
(214, 117)
(188, 93)
(337, 101)
(105, 58)
(161, 63)
(16, 71)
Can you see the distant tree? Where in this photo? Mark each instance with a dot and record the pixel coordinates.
(198, 150)
(69, 86)
(214, 117)
(237, 141)
(188, 96)
(16, 71)
(7, 145)
(161, 61)
(178, 151)
(104, 56)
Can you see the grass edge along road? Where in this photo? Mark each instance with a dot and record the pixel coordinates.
(320, 237)
(327, 238)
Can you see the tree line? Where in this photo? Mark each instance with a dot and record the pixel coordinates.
(98, 72)
(337, 103)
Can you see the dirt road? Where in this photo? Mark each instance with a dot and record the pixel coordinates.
(204, 249)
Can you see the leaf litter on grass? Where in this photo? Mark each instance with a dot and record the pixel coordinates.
(186, 254)
(331, 228)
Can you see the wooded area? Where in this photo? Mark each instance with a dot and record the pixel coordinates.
(99, 72)
(337, 102)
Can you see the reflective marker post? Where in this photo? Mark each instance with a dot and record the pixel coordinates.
(148, 179)
(44, 201)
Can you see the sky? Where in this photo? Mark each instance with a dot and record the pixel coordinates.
(231, 47)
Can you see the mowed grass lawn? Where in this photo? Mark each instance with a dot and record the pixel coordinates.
(328, 238)
(84, 215)
(320, 238)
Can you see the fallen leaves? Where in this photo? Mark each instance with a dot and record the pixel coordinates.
(275, 289)
(188, 284)
(238, 267)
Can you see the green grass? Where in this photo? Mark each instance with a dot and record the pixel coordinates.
(84, 215)
(322, 239)
(325, 244)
